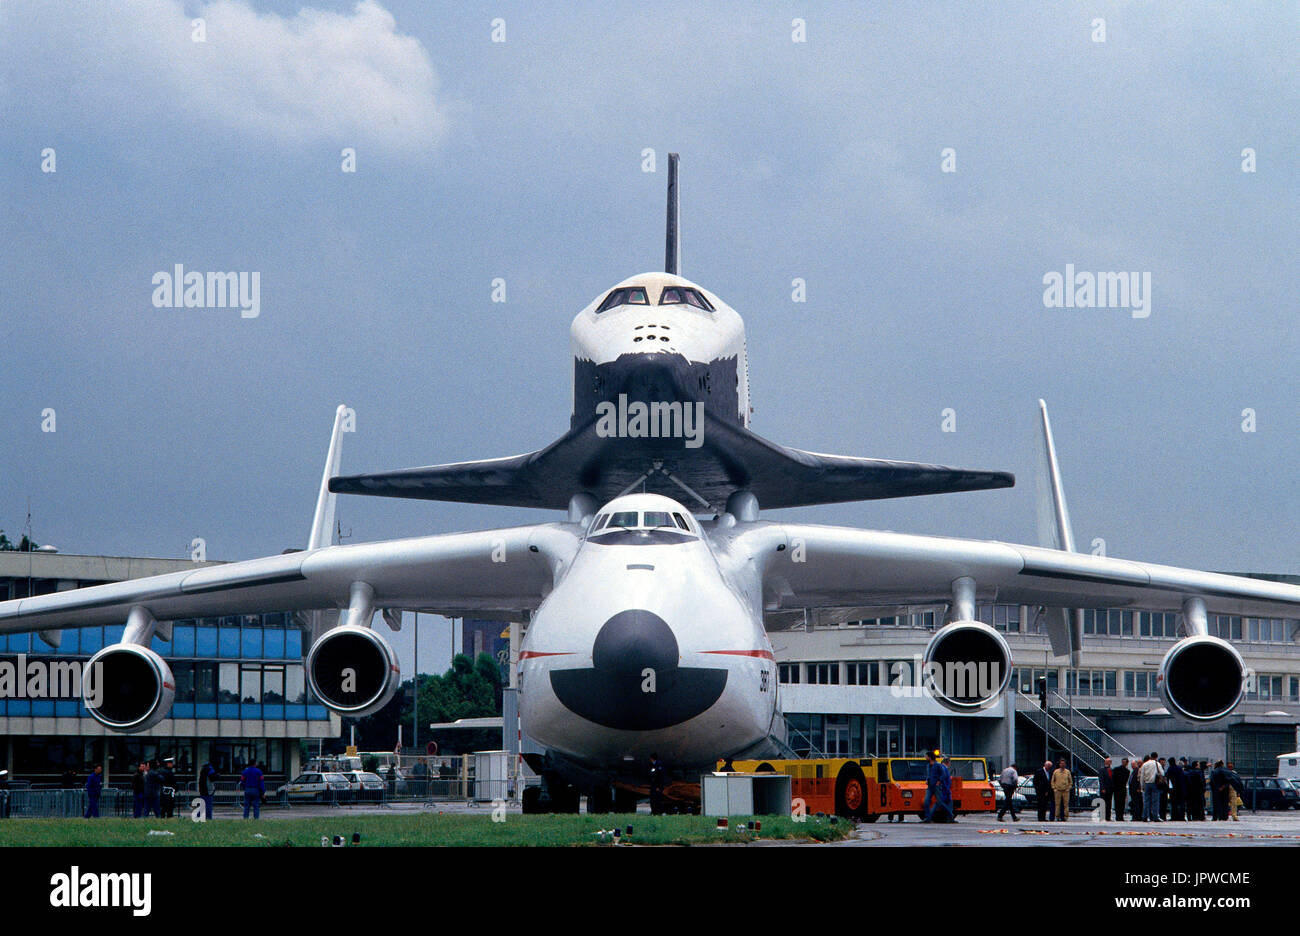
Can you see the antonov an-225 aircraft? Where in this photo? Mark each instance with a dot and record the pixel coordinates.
(647, 627)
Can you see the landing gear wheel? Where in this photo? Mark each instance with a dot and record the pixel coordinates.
(850, 792)
(532, 801)
(600, 801)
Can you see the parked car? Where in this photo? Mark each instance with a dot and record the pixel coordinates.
(1271, 793)
(317, 787)
(1026, 789)
(1087, 791)
(363, 785)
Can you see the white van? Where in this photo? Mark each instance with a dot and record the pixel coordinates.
(1288, 765)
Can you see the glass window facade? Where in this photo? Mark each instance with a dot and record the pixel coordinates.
(264, 680)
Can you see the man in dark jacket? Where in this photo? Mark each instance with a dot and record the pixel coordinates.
(1106, 785)
(94, 786)
(1121, 775)
(254, 788)
(152, 791)
(1177, 790)
(207, 781)
(1219, 792)
(167, 780)
(1043, 792)
(1194, 785)
(137, 790)
(1135, 793)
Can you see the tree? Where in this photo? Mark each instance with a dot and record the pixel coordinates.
(469, 689)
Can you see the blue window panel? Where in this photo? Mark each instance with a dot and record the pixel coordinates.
(273, 641)
(4, 707)
(67, 708)
(19, 707)
(183, 640)
(205, 642)
(251, 644)
(228, 646)
(272, 711)
(71, 642)
(250, 710)
(293, 644)
(227, 709)
(113, 633)
(317, 712)
(205, 710)
(295, 711)
(43, 707)
(160, 646)
(183, 710)
(92, 639)
(19, 643)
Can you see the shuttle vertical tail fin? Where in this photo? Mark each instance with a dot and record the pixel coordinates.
(672, 242)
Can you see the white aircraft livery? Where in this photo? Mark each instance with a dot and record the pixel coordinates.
(647, 626)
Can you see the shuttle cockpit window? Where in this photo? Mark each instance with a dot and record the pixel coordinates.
(632, 527)
(628, 295)
(682, 295)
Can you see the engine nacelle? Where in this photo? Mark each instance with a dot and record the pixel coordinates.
(133, 685)
(1202, 678)
(353, 670)
(966, 666)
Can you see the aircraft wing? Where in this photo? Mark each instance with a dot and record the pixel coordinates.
(729, 458)
(823, 566)
(505, 569)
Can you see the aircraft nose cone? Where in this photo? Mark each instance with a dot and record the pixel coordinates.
(632, 641)
(636, 682)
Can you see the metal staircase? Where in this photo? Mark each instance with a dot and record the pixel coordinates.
(1070, 730)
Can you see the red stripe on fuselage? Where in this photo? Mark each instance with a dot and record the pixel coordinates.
(765, 654)
(529, 654)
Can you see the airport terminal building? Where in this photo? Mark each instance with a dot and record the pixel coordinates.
(835, 690)
(240, 685)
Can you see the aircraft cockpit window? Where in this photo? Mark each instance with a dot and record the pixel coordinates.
(623, 518)
(639, 527)
(681, 295)
(629, 295)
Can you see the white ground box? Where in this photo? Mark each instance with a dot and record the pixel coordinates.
(745, 794)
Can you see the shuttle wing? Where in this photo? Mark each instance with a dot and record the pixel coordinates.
(729, 458)
(824, 566)
(493, 570)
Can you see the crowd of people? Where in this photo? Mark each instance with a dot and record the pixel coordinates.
(1154, 789)
(153, 789)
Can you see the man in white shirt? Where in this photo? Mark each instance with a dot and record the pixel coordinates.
(1009, 780)
(1151, 775)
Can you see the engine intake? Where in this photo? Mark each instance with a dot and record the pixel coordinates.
(966, 666)
(133, 685)
(353, 670)
(1202, 678)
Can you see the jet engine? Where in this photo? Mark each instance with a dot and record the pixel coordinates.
(1202, 678)
(353, 670)
(966, 666)
(133, 685)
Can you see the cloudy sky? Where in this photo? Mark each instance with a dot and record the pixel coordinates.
(523, 159)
